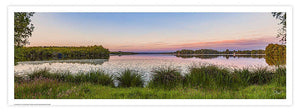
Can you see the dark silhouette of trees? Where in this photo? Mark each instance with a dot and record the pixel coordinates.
(49, 53)
(211, 51)
(227, 51)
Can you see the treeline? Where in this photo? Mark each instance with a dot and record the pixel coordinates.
(122, 53)
(276, 54)
(47, 53)
(211, 51)
(224, 56)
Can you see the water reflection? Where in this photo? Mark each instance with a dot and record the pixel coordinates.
(275, 60)
(61, 58)
(80, 61)
(270, 60)
(218, 56)
(142, 63)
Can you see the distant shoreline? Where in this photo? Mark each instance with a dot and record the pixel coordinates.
(219, 54)
(133, 53)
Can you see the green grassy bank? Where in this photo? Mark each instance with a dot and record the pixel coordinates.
(202, 82)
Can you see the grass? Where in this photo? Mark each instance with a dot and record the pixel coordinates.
(95, 77)
(202, 82)
(280, 77)
(211, 77)
(59, 90)
(166, 77)
(129, 78)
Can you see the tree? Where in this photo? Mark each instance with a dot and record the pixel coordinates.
(227, 51)
(282, 31)
(23, 27)
(276, 54)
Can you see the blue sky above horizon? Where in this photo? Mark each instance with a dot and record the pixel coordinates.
(155, 32)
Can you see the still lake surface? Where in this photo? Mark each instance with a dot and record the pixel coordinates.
(142, 63)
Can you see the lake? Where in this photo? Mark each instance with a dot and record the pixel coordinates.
(142, 63)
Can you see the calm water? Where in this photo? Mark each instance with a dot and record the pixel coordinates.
(142, 63)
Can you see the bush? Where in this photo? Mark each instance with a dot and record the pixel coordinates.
(129, 78)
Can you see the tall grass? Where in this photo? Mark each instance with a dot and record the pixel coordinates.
(258, 76)
(280, 77)
(35, 88)
(129, 78)
(206, 82)
(166, 77)
(95, 77)
(212, 77)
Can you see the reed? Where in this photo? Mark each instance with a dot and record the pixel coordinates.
(280, 77)
(212, 77)
(95, 77)
(202, 82)
(166, 77)
(129, 78)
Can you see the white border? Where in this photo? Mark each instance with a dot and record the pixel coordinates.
(12, 9)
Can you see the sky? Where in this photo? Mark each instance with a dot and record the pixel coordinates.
(156, 32)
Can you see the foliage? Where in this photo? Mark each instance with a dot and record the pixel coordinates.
(203, 82)
(258, 52)
(122, 53)
(211, 51)
(129, 78)
(48, 53)
(282, 31)
(23, 27)
(206, 51)
(227, 51)
(185, 51)
(276, 54)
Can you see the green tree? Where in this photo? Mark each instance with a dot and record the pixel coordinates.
(23, 27)
(227, 51)
(282, 31)
(276, 54)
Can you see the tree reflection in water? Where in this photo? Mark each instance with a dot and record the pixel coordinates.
(224, 56)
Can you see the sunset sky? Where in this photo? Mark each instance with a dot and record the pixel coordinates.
(155, 32)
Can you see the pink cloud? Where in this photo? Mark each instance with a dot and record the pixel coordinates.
(237, 44)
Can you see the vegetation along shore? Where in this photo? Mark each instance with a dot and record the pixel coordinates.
(202, 82)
